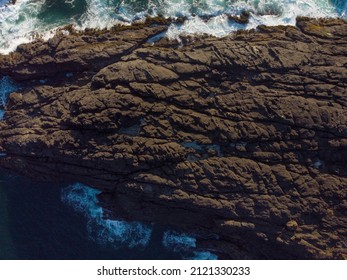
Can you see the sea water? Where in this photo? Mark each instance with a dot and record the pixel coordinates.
(28, 19)
(7, 86)
(63, 221)
(83, 200)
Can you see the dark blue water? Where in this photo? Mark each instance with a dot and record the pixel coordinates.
(36, 224)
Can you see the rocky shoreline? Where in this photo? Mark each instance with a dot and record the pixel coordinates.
(241, 139)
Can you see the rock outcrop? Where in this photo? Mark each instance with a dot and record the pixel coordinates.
(241, 139)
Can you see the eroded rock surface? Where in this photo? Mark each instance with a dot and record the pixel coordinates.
(244, 137)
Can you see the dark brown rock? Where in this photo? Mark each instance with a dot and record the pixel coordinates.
(244, 137)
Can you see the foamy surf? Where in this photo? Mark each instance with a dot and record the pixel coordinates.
(186, 246)
(29, 19)
(178, 242)
(83, 200)
(7, 86)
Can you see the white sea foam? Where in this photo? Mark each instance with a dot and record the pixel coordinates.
(186, 246)
(218, 26)
(83, 200)
(17, 24)
(288, 11)
(99, 15)
(178, 242)
(21, 23)
(7, 86)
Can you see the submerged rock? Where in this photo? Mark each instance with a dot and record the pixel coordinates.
(217, 136)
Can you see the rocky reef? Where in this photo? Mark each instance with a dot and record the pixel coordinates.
(241, 139)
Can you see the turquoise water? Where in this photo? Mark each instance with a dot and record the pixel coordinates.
(28, 18)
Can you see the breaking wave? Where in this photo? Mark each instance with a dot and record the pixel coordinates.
(186, 246)
(28, 19)
(83, 200)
